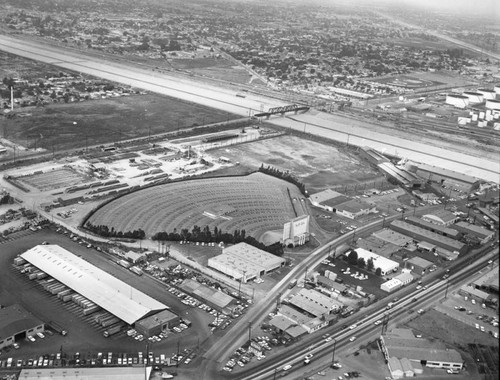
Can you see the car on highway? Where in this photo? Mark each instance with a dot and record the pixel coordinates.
(287, 367)
(352, 339)
(307, 358)
(376, 323)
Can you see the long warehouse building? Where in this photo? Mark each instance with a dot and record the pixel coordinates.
(105, 290)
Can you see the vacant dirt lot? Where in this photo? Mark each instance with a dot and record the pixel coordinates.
(319, 166)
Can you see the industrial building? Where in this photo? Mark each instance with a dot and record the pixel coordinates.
(420, 351)
(438, 174)
(328, 199)
(488, 282)
(396, 282)
(372, 156)
(459, 101)
(244, 262)
(16, 323)
(287, 326)
(418, 265)
(374, 244)
(386, 266)
(354, 209)
(441, 217)
(482, 234)
(421, 234)
(315, 303)
(155, 324)
(212, 297)
(86, 373)
(401, 175)
(473, 293)
(393, 237)
(390, 285)
(96, 285)
(304, 322)
(433, 227)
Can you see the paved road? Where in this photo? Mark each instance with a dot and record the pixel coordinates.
(329, 126)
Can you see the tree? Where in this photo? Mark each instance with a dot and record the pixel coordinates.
(352, 258)
(369, 264)
(361, 262)
(378, 272)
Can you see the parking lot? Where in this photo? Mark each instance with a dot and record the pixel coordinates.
(84, 336)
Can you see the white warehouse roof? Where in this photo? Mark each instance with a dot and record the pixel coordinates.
(81, 373)
(385, 265)
(98, 286)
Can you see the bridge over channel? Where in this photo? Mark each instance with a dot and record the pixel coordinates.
(282, 110)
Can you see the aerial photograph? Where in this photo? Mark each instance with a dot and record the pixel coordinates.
(249, 189)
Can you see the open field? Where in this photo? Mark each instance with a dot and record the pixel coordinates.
(319, 166)
(72, 125)
(256, 203)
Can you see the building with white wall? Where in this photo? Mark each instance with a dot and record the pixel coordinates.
(386, 265)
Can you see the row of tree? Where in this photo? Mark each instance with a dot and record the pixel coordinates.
(284, 175)
(205, 235)
(105, 231)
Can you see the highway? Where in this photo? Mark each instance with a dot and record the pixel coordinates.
(334, 127)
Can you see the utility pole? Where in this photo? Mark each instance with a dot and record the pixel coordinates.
(178, 352)
(249, 331)
(446, 290)
(333, 353)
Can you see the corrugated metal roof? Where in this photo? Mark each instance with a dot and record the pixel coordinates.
(110, 293)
